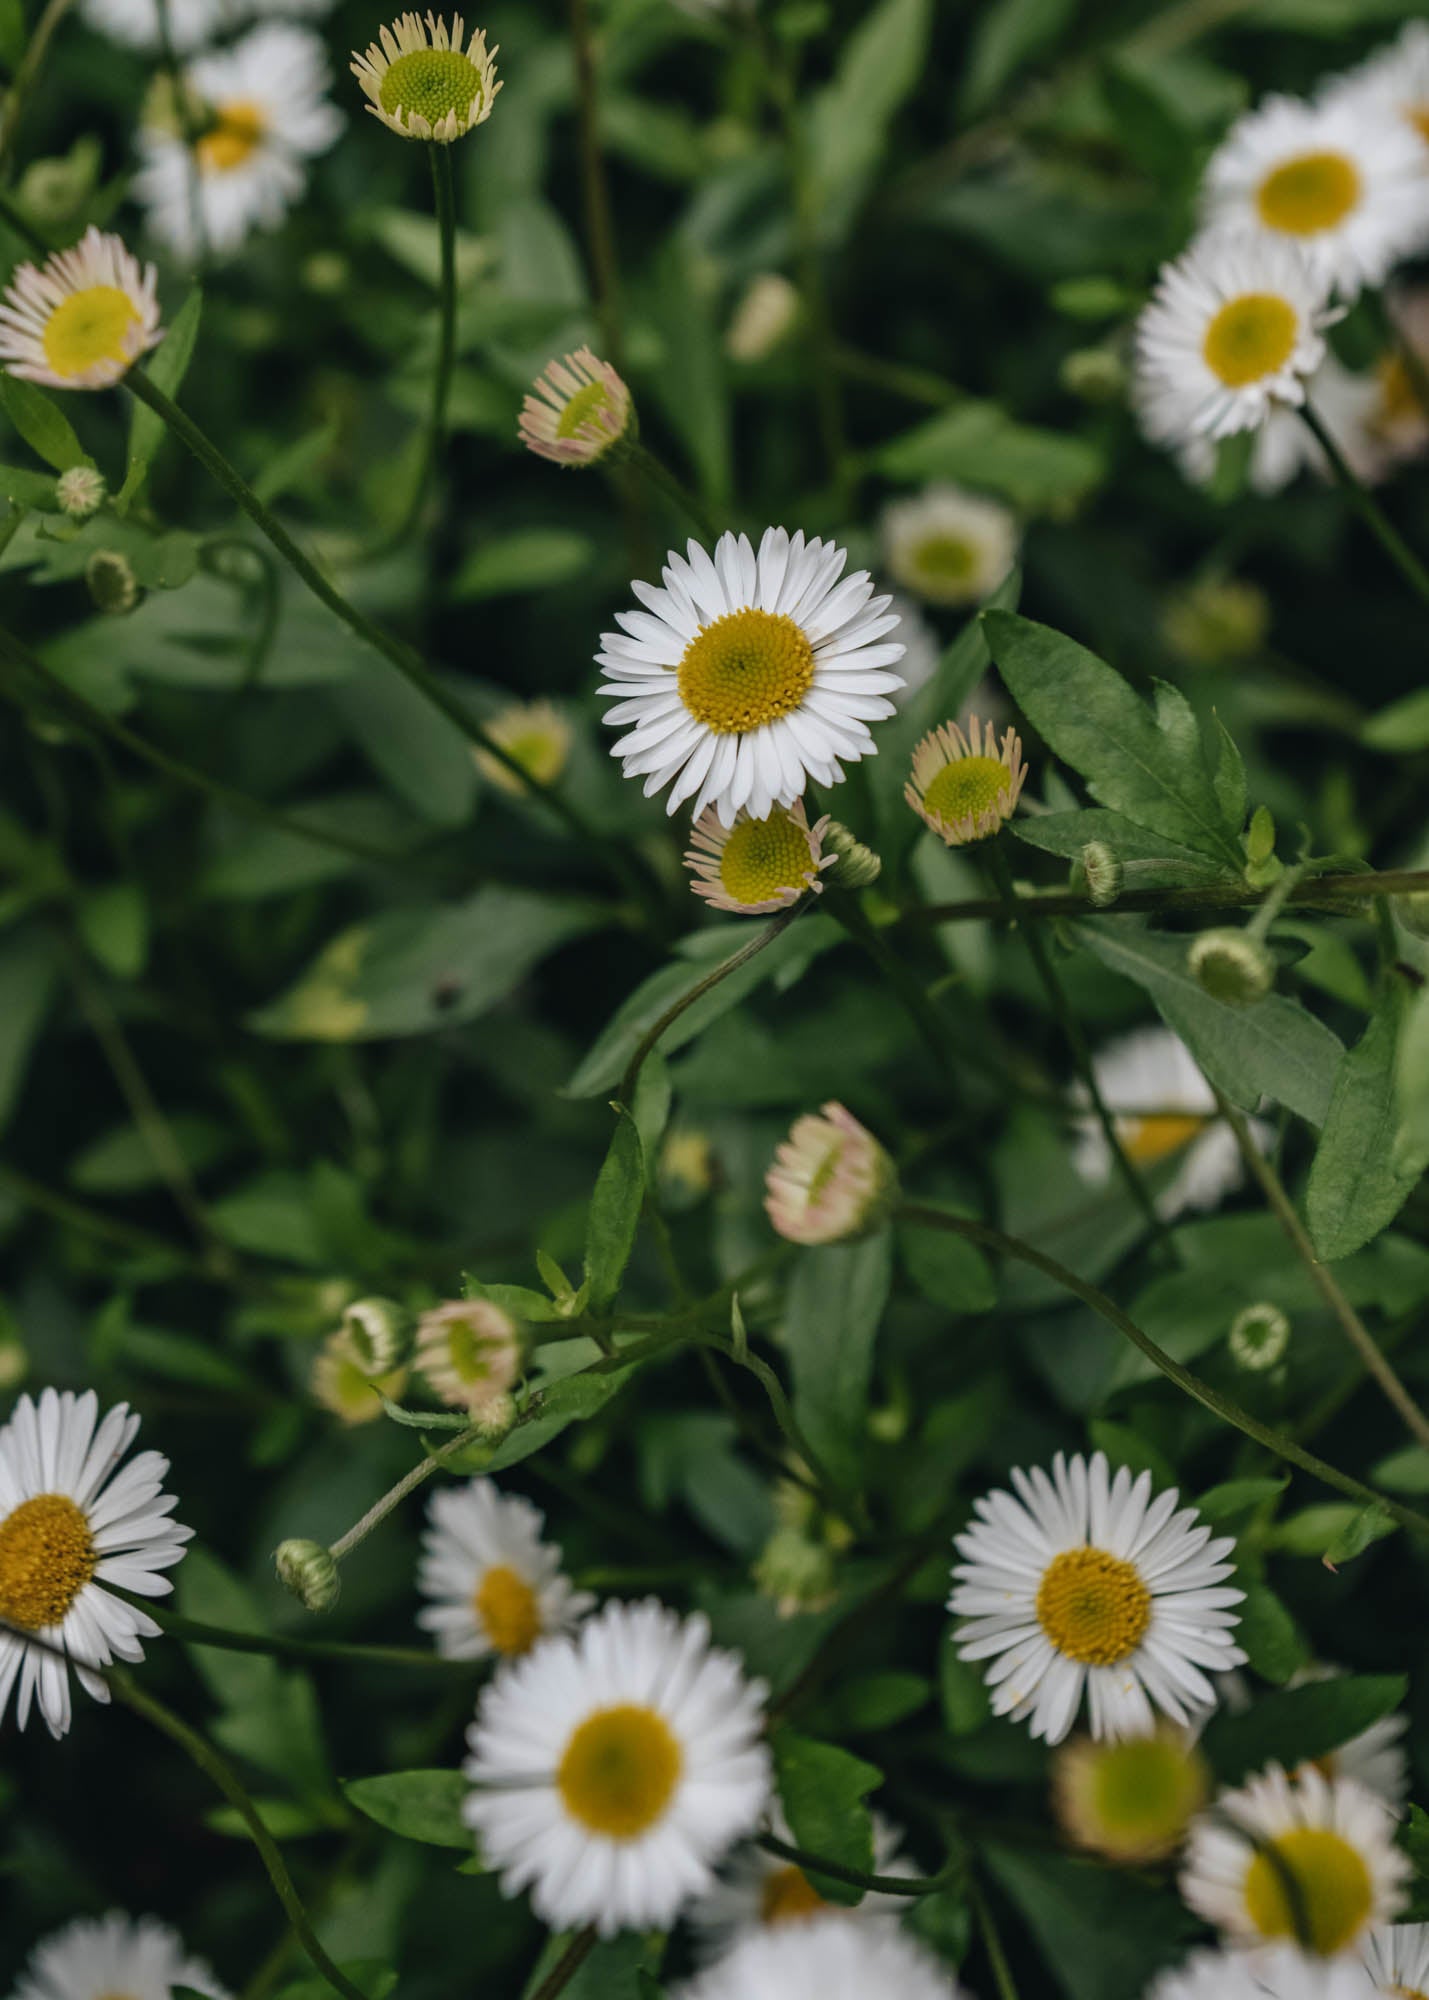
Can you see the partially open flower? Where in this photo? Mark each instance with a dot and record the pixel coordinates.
(536, 734)
(757, 865)
(82, 318)
(577, 409)
(831, 1181)
(342, 1385)
(469, 1351)
(1131, 1800)
(378, 1333)
(425, 81)
(964, 787)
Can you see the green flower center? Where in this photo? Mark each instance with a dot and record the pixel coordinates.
(763, 857)
(429, 83)
(967, 788)
(1144, 1791)
(946, 558)
(591, 401)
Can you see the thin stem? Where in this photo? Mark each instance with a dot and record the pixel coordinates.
(444, 204)
(1323, 1279)
(992, 1944)
(567, 1965)
(395, 1495)
(600, 228)
(1369, 509)
(26, 71)
(269, 605)
(923, 1217)
(221, 1773)
(1335, 893)
(912, 1886)
(194, 1632)
(644, 461)
(915, 385)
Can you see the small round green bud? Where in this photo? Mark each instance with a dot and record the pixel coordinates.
(1413, 912)
(79, 492)
(1258, 1337)
(493, 1416)
(308, 1570)
(1094, 374)
(112, 583)
(1231, 966)
(378, 1333)
(1104, 874)
(857, 866)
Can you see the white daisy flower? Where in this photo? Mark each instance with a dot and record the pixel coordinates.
(613, 1767)
(103, 1958)
(748, 675)
(1232, 330)
(70, 1523)
(262, 114)
(1334, 179)
(1163, 1109)
(948, 546)
(1082, 1583)
(495, 1585)
(1306, 1859)
(136, 23)
(1346, 404)
(1397, 1959)
(836, 1958)
(1394, 80)
(82, 318)
(758, 1892)
(830, 1181)
(428, 81)
(1282, 1973)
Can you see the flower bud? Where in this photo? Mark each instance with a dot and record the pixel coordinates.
(378, 1333)
(341, 1384)
(79, 492)
(764, 318)
(856, 866)
(1094, 374)
(1102, 872)
(112, 582)
(1218, 619)
(1130, 1800)
(470, 1353)
(578, 409)
(796, 1572)
(831, 1181)
(1413, 912)
(308, 1570)
(1231, 966)
(1259, 1337)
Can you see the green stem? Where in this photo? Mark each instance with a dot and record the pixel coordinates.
(269, 604)
(221, 1773)
(127, 1235)
(912, 1886)
(992, 1944)
(664, 481)
(906, 986)
(26, 71)
(444, 204)
(915, 385)
(1369, 509)
(195, 1632)
(1335, 893)
(567, 1965)
(395, 1495)
(1273, 1441)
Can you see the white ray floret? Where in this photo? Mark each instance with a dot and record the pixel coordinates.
(495, 1585)
(834, 1958)
(116, 1957)
(138, 25)
(1281, 1973)
(1396, 1958)
(426, 80)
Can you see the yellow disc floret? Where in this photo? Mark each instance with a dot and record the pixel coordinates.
(746, 669)
(966, 788)
(508, 1609)
(761, 857)
(1249, 338)
(789, 1897)
(945, 558)
(430, 84)
(619, 1771)
(47, 1556)
(1093, 1606)
(232, 139)
(1309, 194)
(1322, 1873)
(89, 327)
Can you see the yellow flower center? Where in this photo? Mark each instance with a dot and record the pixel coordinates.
(1331, 1885)
(620, 1771)
(946, 558)
(788, 1897)
(89, 327)
(1142, 1794)
(1147, 1140)
(1308, 194)
(1419, 118)
(47, 1556)
(429, 83)
(764, 856)
(1410, 1992)
(748, 668)
(1249, 338)
(236, 133)
(1093, 1606)
(507, 1607)
(967, 788)
(591, 401)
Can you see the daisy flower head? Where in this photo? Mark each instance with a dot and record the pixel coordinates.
(1132, 1799)
(495, 1586)
(1396, 1958)
(749, 673)
(613, 1767)
(98, 1958)
(1285, 446)
(757, 865)
(1394, 80)
(82, 318)
(1281, 1973)
(470, 1352)
(1233, 329)
(963, 786)
(424, 80)
(536, 734)
(577, 409)
(830, 1181)
(757, 1892)
(262, 113)
(342, 1383)
(1335, 179)
(836, 1958)
(138, 25)
(948, 546)
(1079, 1582)
(1306, 1859)
(71, 1522)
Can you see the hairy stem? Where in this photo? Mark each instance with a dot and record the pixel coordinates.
(395, 1495)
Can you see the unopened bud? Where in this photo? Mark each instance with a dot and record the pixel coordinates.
(79, 492)
(1094, 374)
(308, 1570)
(857, 866)
(830, 1182)
(796, 1572)
(378, 1333)
(764, 318)
(1103, 873)
(1413, 912)
(1231, 966)
(1217, 619)
(1259, 1337)
(493, 1416)
(112, 582)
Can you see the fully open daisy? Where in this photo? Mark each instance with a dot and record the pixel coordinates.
(748, 674)
(577, 409)
(113, 1958)
(830, 1180)
(948, 546)
(470, 1352)
(1396, 1957)
(495, 1585)
(836, 1958)
(964, 787)
(757, 865)
(137, 24)
(1131, 1800)
(1080, 1583)
(1394, 81)
(1346, 403)
(1281, 1973)
(82, 318)
(259, 112)
(424, 80)
(1233, 330)
(612, 1768)
(70, 1523)
(1335, 179)
(759, 1892)
(1306, 1859)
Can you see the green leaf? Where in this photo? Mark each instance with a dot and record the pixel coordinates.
(831, 1318)
(26, 488)
(41, 423)
(823, 1790)
(850, 119)
(966, 1706)
(614, 1213)
(420, 1805)
(1269, 1636)
(1297, 1725)
(29, 967)
(978, 444)
(1370, 1524)
(1149, 860)
(528, 559)
(1125, 1446)
(419, 752)
(1148, 766)
(293, 465)
(1404, 1471)
(114, 923)
(1007, 37)
(692, 379)
(121, 1161)
(1102, 1933)
(1273, 1048)
(1359, 1180)
(166, 369)
(572, 1399)
(1235, 1497)
(1401, 728)
(947, 1270)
